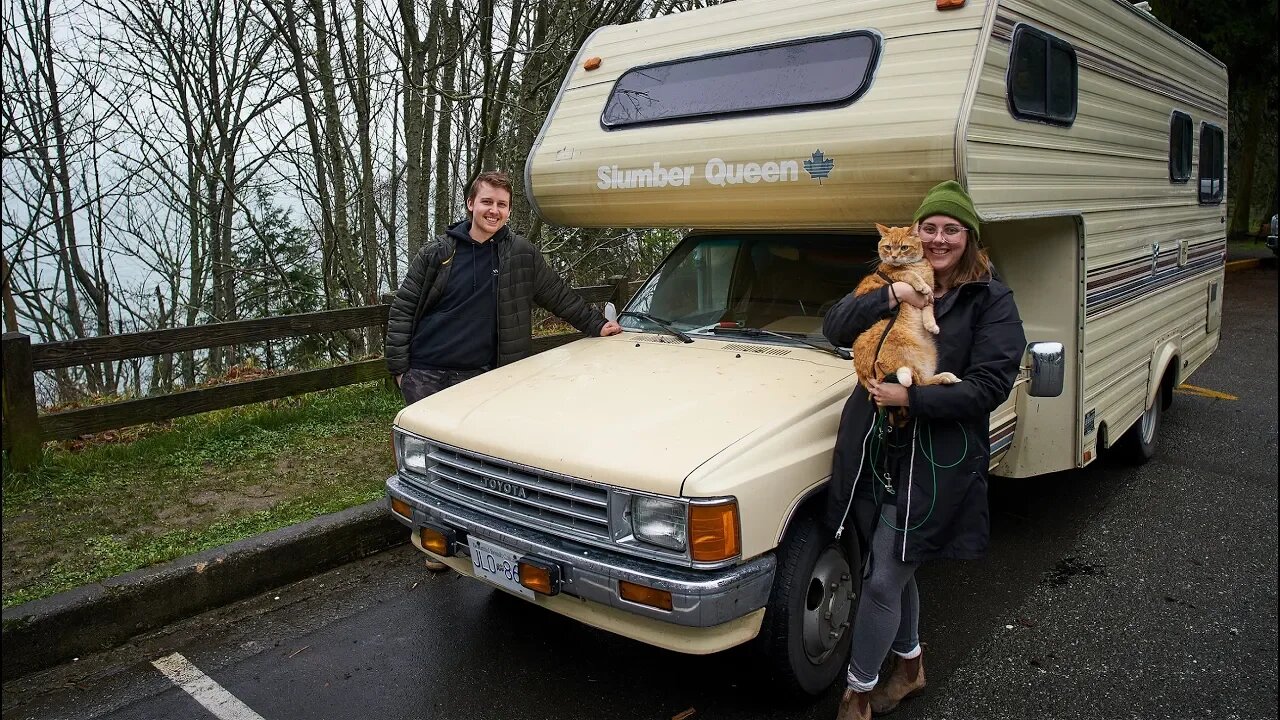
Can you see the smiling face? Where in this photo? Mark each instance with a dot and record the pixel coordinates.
(945, 240)
(489, 208)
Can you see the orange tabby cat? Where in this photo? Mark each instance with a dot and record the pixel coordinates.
(908, 350)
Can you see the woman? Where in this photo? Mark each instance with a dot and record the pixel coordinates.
(919, 492)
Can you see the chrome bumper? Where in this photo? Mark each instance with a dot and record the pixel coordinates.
(699, 598)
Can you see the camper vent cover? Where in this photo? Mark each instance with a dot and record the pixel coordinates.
(651, 338)
(758, 349)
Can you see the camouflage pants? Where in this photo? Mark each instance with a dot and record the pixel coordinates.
(416, 384)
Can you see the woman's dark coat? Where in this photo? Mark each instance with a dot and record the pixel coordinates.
(524, 278)
(982, 341)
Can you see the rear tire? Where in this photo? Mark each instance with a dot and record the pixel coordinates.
(1138, 444)
(808, 622)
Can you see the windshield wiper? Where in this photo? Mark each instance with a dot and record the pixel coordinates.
(664, 324)
(755, 332)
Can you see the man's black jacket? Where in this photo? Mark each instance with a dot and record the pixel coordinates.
(524, 278)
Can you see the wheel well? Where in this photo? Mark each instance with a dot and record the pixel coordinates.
(1103, 440)
(1168, 383)
(809, 506)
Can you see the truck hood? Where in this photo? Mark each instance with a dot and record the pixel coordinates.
(630, 410)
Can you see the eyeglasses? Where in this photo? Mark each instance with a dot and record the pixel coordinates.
(950, 233)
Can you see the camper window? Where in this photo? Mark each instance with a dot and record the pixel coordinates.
(814, 72)
(1180, 147)
(1211, 164)
(1041, 82)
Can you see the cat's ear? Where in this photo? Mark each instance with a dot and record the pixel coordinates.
(884, 231)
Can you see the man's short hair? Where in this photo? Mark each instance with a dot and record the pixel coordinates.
(496, 178)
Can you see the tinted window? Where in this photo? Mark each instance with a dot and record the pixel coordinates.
(1042, 77)
(1180, 147)
(1212, 165)
(815, 72)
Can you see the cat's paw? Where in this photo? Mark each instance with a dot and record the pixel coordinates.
(904, 376)
(932, 327)
(947, 378)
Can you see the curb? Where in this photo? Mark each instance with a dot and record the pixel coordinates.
(42, 633)
(1246, 264)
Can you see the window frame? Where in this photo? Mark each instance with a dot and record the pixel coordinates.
(1020, 33)
(1216, 196)
(873, 64)
(1188, 146)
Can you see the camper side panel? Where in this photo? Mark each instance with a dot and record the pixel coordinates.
(1154, 252)
(885, 149)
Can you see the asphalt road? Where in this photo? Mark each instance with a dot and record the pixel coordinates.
(1112, 592)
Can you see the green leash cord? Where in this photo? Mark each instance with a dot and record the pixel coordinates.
(879, 422)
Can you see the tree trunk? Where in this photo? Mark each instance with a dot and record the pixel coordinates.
(335, 153)
(1243, 195)
(443, 204)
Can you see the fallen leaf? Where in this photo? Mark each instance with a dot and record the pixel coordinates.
(684, 715)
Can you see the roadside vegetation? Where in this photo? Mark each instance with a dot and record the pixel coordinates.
(129, 499)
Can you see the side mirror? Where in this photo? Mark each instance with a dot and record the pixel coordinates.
(1048, 366)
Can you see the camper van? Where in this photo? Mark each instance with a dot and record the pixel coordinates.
(664, 483)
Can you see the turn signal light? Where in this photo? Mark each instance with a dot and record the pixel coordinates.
(540, 576)
(437, 540)
(713, 532)
(401, 508)
(950, 4)
(642, 595)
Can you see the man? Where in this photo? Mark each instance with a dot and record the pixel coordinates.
(464, 305)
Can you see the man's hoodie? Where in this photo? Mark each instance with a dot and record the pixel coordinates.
(460, 332)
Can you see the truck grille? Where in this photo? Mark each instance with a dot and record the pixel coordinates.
(561, 505)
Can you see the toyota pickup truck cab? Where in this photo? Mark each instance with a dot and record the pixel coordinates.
(664, 483)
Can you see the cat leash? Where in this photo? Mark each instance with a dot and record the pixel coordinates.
(844, 519)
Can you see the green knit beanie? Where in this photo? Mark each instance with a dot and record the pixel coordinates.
(948, 198)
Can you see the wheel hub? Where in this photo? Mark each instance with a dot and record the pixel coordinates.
(1149, 421)
(828, 601)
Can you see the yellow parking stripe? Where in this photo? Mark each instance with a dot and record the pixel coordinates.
(1186, 389)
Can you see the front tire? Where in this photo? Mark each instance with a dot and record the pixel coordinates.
(809, 619)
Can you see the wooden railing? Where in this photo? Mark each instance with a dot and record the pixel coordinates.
(26, 429)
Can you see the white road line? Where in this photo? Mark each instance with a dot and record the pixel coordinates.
(204, 689)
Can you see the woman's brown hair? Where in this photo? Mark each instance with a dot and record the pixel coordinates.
(972, 265)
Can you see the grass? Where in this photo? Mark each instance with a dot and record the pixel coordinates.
(95, 510)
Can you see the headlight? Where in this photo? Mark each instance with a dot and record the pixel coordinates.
(659, 521)
(411, 453)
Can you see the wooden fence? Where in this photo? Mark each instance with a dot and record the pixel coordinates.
(26, 429)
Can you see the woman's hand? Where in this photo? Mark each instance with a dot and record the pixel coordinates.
(885, 394)
(907, 294)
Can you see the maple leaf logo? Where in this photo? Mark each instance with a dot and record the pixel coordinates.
(819, 166)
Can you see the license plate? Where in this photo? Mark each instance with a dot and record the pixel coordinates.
(497, 564)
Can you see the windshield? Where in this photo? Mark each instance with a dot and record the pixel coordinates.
(782, 283)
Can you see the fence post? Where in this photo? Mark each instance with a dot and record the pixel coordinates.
(21, 423)
(389, 383)
(621, 290)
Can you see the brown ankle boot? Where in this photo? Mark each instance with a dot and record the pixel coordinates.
(905, 680)
(855, 706)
